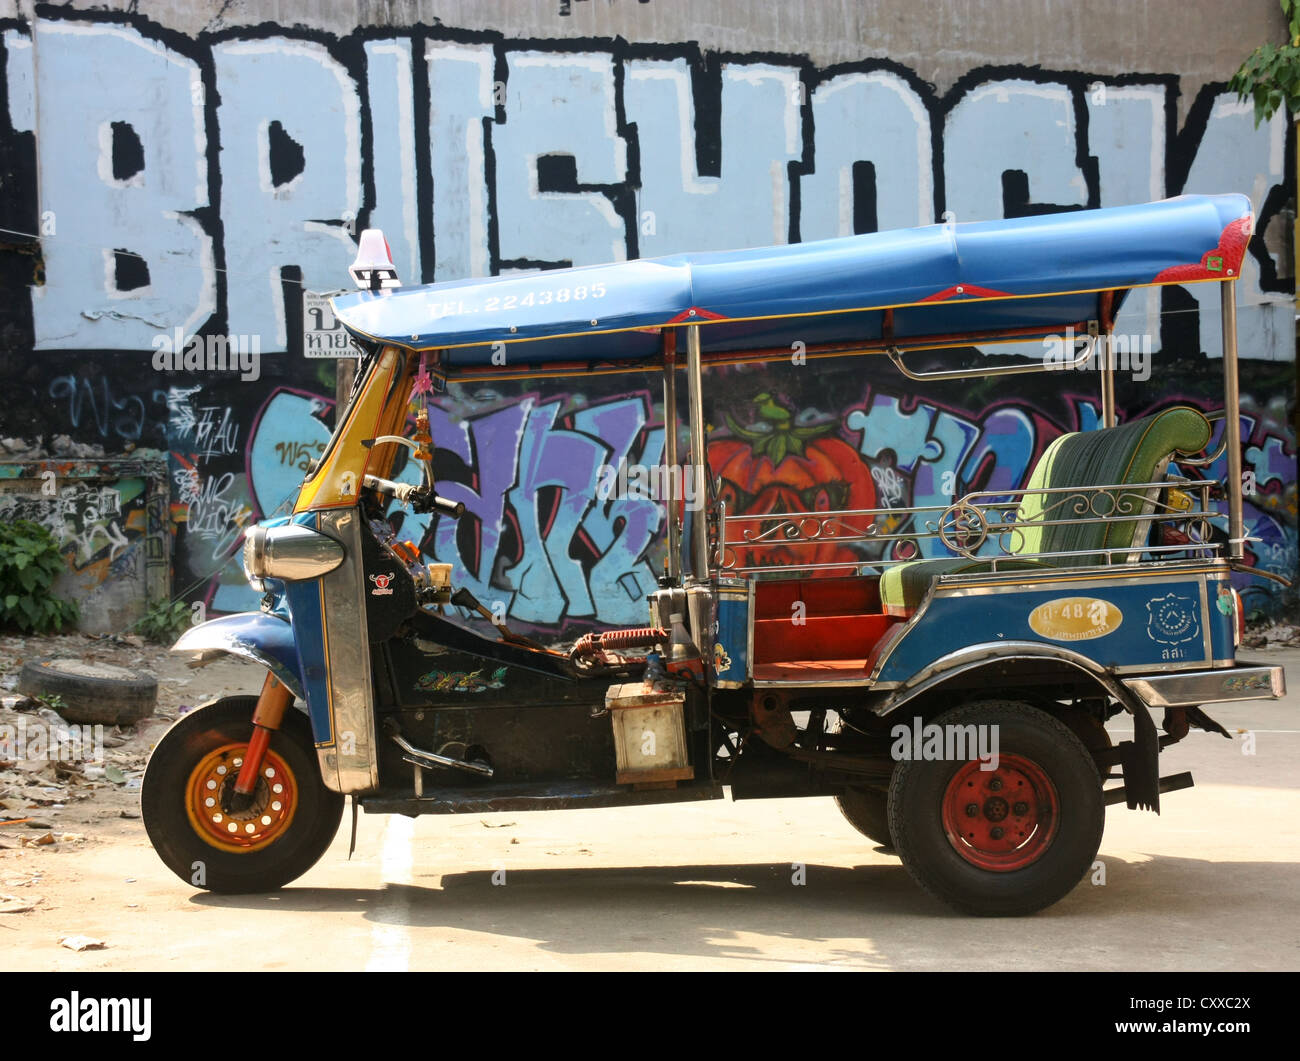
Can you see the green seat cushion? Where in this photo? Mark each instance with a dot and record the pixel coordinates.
(903, 586)
(1136, 452)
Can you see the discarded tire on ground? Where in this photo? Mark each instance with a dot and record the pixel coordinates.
(91, 693)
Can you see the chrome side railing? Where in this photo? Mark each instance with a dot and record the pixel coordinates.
(988, 525)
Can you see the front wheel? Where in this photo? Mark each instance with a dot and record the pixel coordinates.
(184, 801)
(1006, 841)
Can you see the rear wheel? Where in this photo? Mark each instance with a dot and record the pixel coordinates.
(185, 801)
(867, 810)
(1006, 841)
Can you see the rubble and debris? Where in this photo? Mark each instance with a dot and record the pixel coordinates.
(1271, 634)
(53, 793)
(80, 943)
(20, 880)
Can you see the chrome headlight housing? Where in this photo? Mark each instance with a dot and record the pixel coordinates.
(289, 552)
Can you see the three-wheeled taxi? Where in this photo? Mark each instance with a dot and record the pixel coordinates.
(951, 691)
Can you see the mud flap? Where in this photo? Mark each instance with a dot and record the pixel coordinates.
(1140, 761)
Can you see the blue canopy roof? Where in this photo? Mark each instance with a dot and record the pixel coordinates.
(1026, 277)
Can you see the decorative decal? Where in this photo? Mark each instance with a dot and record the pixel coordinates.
(1247, 681)
(381, 585)
(1173, 620)
(1225, 602)
(695, 313)
(1075, 619)
(1217, 264)
(721, 661)
(964, 291)
(441, 681)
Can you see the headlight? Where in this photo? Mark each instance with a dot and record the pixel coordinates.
(255, 583)
(289, 552)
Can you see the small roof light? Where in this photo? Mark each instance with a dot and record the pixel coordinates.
(374, 268)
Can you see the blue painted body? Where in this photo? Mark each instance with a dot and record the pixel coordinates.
(1164, 624)
(309, 635)
(731, 641)
(308, 616)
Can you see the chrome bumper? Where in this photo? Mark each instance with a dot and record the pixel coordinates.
(1191, 689)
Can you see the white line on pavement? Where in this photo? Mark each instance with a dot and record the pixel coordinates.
(390, 937)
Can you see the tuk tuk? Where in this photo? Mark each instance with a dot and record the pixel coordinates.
(950, 691)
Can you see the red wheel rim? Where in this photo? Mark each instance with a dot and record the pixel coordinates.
(274, 800)
(1003, 819)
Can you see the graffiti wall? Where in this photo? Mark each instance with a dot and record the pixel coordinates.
(195, 185)
(109, 519)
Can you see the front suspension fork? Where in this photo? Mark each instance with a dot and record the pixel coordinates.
(274, 700)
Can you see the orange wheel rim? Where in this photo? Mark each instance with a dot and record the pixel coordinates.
(208, 791)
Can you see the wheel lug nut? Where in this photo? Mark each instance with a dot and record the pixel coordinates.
(971, 810)
(1020, 808)
(996, 833)
(996, 784)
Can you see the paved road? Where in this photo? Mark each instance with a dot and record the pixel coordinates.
(1210, 884)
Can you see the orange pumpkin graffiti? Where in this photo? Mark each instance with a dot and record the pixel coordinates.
(776, 467)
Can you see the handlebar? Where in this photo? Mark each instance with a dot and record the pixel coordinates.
(417, 497)
(455, 509)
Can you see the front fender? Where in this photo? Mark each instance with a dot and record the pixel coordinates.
(256, 636)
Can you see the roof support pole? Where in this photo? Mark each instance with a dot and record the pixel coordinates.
(1232, 421)
(1108, 378)
(670, 456)
(695, 399)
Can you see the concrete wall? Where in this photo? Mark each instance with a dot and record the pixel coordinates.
(188, 168)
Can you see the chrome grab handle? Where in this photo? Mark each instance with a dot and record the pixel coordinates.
(896, 356)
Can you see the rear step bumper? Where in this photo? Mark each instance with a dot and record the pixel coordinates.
(1172, 783)
(1193, 688)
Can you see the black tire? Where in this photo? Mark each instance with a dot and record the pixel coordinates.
(92, 693)
(1063, 851)
(867, 810)
(199, 860)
